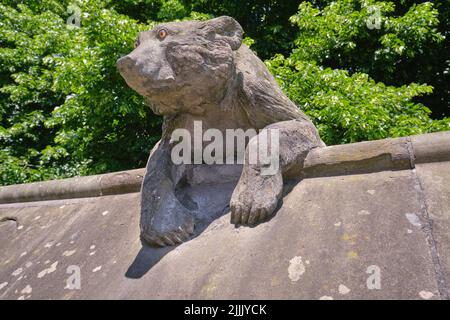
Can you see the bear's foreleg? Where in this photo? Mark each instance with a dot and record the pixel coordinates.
(259, 190)
(164, 220)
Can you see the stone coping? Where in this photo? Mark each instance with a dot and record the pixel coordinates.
(355, 158)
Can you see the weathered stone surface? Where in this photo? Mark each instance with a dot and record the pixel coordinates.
(92, 186)
(434, 179)
(330, 230)
(52, 235)
(433, 147)
(363, 157)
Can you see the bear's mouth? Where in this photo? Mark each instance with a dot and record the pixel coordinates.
(162, 85)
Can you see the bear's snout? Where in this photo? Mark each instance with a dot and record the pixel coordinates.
(144, 74)
(128, 69)
(125, 64)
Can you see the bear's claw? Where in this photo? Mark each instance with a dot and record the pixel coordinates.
(255, 197)
(170, 238)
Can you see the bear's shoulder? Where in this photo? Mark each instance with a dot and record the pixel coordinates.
(265, 102)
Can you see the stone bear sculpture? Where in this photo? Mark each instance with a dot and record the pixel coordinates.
(201, 71)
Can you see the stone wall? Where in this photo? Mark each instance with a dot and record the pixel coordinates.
(369, 220)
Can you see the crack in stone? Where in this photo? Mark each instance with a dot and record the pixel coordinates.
(431, 241)
(9, 219)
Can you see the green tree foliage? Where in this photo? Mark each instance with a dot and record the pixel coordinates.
(409, 44)
(350, 108)
(65, 110)
(348, 105)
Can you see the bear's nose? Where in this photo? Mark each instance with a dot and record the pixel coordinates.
(125, 64)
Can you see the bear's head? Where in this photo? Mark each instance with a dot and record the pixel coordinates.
(182, 67)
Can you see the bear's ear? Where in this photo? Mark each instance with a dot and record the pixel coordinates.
(227, 29)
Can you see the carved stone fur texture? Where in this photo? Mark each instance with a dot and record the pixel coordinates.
(200, 71)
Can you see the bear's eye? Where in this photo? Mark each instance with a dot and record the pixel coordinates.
(136, 43)
(162, 34)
